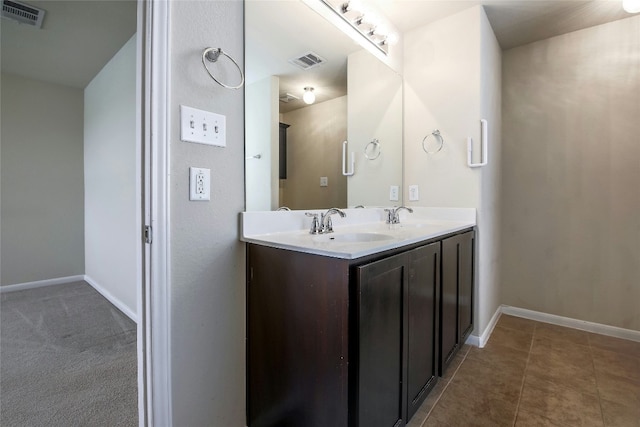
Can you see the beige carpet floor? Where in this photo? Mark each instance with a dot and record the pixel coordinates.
(67, 358)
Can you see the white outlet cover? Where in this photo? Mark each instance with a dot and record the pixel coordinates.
(202, 127)
(414, 195)
(394, 191)
(324, 181)
(199, 184)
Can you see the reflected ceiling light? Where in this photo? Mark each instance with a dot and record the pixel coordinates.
(631, 6)
(365, 22)
(309, 97)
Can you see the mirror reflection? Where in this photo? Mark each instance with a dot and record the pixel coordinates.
(295, 151)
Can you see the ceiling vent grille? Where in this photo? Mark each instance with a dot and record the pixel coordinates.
(287, 97)
(308, 60)
(22, 13)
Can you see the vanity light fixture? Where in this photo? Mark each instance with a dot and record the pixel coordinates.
(631, 6)
(309, 97)
(365, 22)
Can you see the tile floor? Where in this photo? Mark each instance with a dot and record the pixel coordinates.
(537, 374)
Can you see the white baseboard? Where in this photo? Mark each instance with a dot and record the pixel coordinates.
(481, 341)
(112, 299)
(583, 325)
(41, 283)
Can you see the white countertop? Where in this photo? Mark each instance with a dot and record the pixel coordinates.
(290, 230)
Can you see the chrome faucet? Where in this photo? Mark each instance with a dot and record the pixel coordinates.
(325, 219)
(322, 224)
(393, 216)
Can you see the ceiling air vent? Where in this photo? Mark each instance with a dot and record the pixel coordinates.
(287, 97)
(22, 13)
(307, 60)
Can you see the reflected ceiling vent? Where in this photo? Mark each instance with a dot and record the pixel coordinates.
(22, 13)
(308, 60)
(287, 97)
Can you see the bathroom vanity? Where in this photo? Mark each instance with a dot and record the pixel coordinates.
(352, 328)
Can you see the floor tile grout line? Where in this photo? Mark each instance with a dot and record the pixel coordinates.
(524, 375)
(445, 388)
(595, 376)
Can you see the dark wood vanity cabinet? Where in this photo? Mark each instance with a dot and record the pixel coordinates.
(456, 299)
(335, 342)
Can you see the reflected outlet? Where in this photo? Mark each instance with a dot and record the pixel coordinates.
(394, 191)
(413, 193)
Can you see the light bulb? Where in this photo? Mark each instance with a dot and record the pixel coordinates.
(309, 97)
(631, 6)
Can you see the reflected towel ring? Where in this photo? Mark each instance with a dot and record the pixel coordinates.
(376, 149)
(437, 138)
(212, 54)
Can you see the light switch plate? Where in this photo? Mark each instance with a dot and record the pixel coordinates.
(199, 184)
(202, 127)
(414, 196)
(324, 181)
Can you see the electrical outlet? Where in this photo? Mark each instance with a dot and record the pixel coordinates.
(202, 127)
(199, 184)
(324, 181)
(394, 191)
(413, 193)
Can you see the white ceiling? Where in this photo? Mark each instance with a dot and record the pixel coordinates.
(76, 40)
(79, 37)
(277, 30)
(514, 22)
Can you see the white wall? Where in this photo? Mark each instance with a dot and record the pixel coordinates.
(489, 257)
(452, 74)
(42, 182)
(571, 175)
(110, 179)
(262, 137)
(207, 261)
(374, 111)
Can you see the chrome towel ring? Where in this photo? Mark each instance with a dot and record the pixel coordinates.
(212, 54)
(435, 144)
(375, 149)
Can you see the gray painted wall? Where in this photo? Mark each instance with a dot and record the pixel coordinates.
(110, 178)
(571, 169)
(207, 262)
(42, 216)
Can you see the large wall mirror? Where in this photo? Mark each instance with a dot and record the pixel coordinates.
(294, 149)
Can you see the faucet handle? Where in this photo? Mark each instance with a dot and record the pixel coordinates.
(390, 215)
(327, 224)
(315, 223)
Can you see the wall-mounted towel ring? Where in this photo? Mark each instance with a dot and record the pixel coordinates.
(212, 54)
(374, 148)
(433, 142)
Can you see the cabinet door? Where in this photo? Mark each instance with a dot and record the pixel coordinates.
(297, 350)
(381, 328)
(456, 295)
(424, 284)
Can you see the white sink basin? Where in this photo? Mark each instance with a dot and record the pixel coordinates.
(352, 237)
